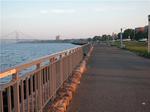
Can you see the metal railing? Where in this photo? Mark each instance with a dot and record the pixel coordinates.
(32, 91)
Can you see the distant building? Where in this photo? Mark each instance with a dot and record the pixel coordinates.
(58, 37)
(141, 33)
(141, 29)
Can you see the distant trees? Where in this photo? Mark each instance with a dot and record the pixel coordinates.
(133, 34)
(128, 34)
(89, 39)
(102, 38)
(141, 34)
(96, 38)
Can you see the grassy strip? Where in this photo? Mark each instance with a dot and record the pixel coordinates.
(138, 47)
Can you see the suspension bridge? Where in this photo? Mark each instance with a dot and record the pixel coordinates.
(18, 36)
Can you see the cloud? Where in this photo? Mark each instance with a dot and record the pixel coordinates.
(111, 8)
(43, 11)
(100, 9)
(62, 11)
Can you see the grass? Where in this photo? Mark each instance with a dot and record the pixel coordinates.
(138, 47)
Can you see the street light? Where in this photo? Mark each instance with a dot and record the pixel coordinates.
(121, 42)
(149, 33)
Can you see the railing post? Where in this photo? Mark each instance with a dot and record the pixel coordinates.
(16, 93)
(36, 92)
(32, 98)
(1, 101)
(53, 65)
(49, 82)
(61, 74)
(39, 97)
(51, 79)
(67, 68)
(54, 77)
(27, 94)
(22, 96)
(9, 99)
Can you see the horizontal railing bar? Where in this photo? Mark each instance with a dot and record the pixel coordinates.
(7, 73)
(23, 77)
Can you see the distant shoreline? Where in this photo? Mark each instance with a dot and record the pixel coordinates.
(71, 41)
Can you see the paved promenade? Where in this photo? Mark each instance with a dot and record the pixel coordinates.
(116, 81)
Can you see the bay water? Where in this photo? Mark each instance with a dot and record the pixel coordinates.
(13, 54)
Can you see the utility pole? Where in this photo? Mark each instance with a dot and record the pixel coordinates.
(121, 43)
(149, 33)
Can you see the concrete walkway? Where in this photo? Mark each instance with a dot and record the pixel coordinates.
(116, 81)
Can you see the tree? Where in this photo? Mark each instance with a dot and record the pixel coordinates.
(89, 39)
(139, 35)
(104, 37)
(96, 38)
(128, 33)
(118, 35)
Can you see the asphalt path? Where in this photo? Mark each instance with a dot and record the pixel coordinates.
(116, 81)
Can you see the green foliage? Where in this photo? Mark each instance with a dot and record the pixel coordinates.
(116, 43)
(128, 33)
(96, 38)
(139, 35)
(138, 47)
(89, 39)
(134, 35)
(118, 35)
(102, 38)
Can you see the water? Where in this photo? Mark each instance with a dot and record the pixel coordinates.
(12, 54)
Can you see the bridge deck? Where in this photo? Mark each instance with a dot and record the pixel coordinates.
(116, 81)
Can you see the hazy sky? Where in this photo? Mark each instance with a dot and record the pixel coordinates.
(70, 18)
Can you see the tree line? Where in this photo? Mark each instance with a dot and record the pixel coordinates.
(132, 34)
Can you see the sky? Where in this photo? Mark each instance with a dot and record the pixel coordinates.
(44, 19)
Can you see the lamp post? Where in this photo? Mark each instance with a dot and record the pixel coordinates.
(149, 33)
(121, 42)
